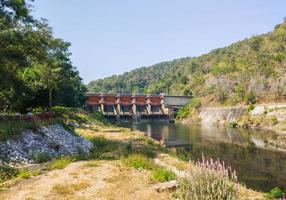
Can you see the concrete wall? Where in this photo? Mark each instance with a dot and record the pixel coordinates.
(230, 114)
(176, 100)
(221, 115)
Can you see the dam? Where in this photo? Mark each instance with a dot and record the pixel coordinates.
(136, 106)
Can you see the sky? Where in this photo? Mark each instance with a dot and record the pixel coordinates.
(114, 36)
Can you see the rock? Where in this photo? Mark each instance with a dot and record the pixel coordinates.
(74, 124)
(51, 141)
(29, 114)
(166, 186)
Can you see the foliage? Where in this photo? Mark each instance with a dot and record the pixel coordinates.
(163, 175)
(275, 193)
(60, 110)
(193, 105)
(7, 173)
(250, 98)
(138, 161)
(233, 124)
(33, 63)
(248, 71)
(60, 163)
(42, 157)
(211, 180)
(10, 128)
(182, 154)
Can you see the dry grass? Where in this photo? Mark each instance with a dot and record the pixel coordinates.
(69, 189)
(62, 190)
(92, 163)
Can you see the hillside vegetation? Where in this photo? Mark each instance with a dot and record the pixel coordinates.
(35, 67)
(249, 71)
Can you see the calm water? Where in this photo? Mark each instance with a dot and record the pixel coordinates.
(251, 153)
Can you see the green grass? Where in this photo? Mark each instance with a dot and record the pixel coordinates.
(101, 147)
(60, 163)
(42, 157)
(138, 161)
(8, 173)
(163, 175)
(9, 129)
(275, 193)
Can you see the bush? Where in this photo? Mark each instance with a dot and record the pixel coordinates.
(41, 157)
(37, 111)
(211, 180)
(233, 124)
(138, 161)
(275, 193)
(273, 120)
(250, 98)
(163, 175)
(60, 110)
(9, 129)
(182, 154)
(184, 111)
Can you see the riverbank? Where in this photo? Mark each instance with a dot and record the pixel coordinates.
(270, 117)
(124, 165)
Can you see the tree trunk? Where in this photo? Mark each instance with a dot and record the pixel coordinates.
(50, 97)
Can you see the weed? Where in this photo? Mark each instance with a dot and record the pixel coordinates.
(138, 161)
(211, 180)
(182, 154)
(60, 163)
(62, 190)
(92, 163)
(42, 157)
(275, 193)
(162, 174)
(9, 129)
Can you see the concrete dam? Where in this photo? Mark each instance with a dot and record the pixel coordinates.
(127, 106)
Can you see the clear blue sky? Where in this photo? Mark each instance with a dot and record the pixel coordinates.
(114, 36)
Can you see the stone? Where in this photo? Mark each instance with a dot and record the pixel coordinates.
(53, 140)
(166, 186)
(30, 114)
(74, 124)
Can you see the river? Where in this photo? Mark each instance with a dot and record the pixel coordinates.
(255, 155)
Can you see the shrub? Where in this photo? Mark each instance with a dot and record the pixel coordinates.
(182, 154)
(273, 120)
(251, 107)
(9, 129)
(60, 110)
(250, 98)
(41, 157)
(184, 111)
(7, 173)
(275, 193)
(211, 180)
(233, 124)
(38, 110)
(162, 174)
(138, 161)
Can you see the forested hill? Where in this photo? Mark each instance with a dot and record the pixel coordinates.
(247, 71)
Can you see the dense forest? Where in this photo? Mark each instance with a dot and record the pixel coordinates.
(249, 71)
(35, 67)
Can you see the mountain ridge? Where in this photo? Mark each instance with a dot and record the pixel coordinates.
(250, 70)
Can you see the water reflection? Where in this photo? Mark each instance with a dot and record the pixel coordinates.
(247, 151)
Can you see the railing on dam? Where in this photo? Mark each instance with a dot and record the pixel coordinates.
(118, 105)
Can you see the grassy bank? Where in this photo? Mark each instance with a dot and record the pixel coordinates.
(127, 150)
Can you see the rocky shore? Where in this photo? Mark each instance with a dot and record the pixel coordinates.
(48, 141)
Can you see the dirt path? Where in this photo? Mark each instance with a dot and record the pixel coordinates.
(87, 180)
